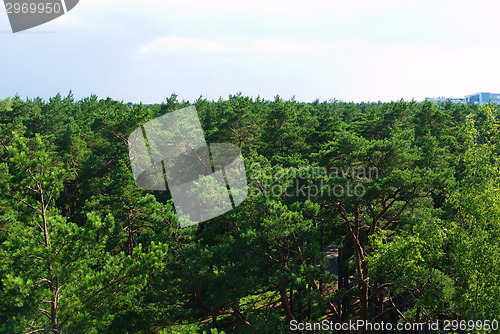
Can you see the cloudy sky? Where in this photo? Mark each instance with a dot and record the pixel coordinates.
(360, 50)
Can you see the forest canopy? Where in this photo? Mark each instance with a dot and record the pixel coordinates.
(403, 196)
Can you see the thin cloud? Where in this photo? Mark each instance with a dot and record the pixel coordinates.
(350, 50)
(167, 45)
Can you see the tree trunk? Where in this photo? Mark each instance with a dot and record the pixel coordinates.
(285, 304)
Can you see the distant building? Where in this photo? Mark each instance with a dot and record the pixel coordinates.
(478, 98)
(482, 98)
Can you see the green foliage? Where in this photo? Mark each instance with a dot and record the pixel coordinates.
(84, 250)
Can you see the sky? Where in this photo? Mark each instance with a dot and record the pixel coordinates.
(358, 50)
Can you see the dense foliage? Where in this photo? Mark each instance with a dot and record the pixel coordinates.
(406, 192)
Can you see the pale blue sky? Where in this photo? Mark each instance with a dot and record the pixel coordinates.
(348, 50)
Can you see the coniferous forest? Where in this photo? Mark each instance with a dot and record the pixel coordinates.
(380, 212)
